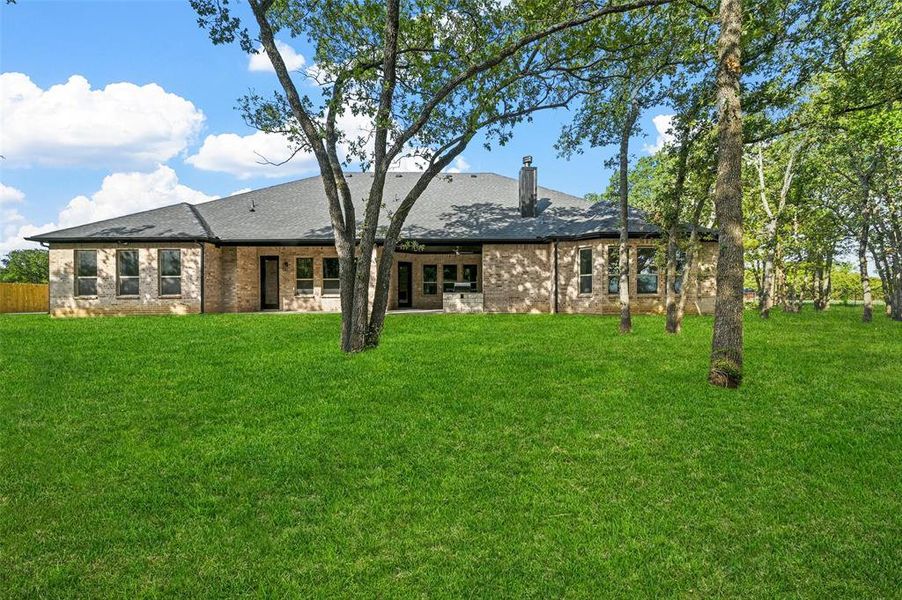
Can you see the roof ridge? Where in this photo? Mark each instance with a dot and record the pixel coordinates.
(201, 220)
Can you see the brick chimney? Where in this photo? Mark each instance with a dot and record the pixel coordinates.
(528, 188)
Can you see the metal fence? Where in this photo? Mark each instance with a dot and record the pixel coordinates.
(24, 297)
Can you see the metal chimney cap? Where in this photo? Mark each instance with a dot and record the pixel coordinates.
(527, 160)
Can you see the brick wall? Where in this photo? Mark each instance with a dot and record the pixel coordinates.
(64, 302)
(235, 280)
(701, 295)
(513, 278)
(430, 301)
(517, 277)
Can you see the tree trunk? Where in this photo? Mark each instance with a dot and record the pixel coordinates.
(890, 269)
(868, 314)
(793, 301)
(360, 334)
(816, 287)
(726, 344)
(346, 291)
(827, 282)
(689, 267)
(626, 323)
(895, 304)
(770, 228)
(673, 319)
(767, 285)
(393, 235)
(670, 297)
(779, 291)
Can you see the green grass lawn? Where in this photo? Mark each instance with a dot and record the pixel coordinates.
(482, 456)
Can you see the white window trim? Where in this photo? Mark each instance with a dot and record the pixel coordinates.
(580, 274)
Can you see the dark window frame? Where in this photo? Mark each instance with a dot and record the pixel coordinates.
(430, 284)
(120, 277)
(581, 276)
(78, 277)
(336, 291)
(474, 283)
(613, 269)
(446, 281)
(298, 280)
(651, 270)
(161, 277)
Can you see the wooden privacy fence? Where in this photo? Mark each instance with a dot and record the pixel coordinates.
(23, 297)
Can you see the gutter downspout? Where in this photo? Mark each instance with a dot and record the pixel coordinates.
(47, 245)
(203, 277)
(555, 278)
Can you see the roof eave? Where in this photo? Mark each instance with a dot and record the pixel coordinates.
(118, 240)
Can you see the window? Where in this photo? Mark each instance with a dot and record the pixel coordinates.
(647, 271)
(430, 279)
(86, 272)
(303, 276)
(170, 272)
(449, 277)
(614, 268)
(585, 270)
(331, 282)
(470, 276)
(127, 272)
(680, 265)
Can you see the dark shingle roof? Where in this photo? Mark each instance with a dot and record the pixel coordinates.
(174, 222)
(463, 206)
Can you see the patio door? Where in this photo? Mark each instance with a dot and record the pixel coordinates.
(405, 285)
(269, 282)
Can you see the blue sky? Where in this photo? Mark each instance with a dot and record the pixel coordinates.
(77, 150)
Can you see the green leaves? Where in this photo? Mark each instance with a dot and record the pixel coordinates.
(24, 266)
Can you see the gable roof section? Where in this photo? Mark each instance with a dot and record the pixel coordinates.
(175, 222)
(458, 207)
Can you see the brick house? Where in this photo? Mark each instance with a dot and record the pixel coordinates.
(473, 242)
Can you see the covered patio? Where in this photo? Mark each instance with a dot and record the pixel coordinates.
(437, 277)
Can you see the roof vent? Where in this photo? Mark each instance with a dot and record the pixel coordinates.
(253, 206)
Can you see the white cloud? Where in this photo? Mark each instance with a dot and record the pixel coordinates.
(259, 61)
(459, 165)
(119, 194)
(412, 162)
(125, 193)
(245, 156)
(10, 223)
(71, 124)
(9, 194)
(241, 191)
(662, 124)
